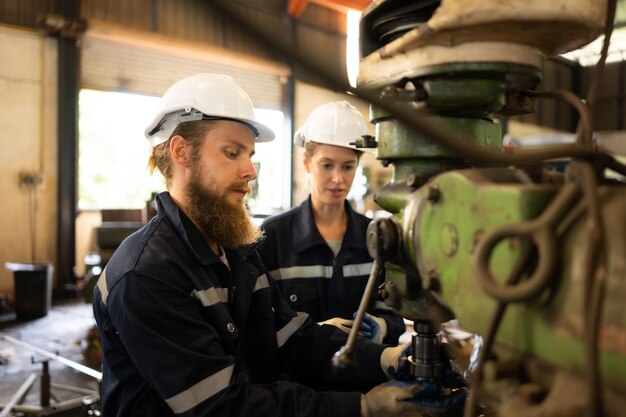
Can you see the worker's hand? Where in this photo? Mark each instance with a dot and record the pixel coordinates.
(394, 361)
(388, 400)
(412, 398)
(342, 324)
(373, 328)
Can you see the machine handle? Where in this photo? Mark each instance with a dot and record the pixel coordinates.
(542, 233)
(344, 358)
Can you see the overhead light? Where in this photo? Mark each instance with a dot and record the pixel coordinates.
(352, 46)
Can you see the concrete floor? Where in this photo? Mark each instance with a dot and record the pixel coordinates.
(63, 331)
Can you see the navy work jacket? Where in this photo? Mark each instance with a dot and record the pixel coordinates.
(181, 335)
(311, 279)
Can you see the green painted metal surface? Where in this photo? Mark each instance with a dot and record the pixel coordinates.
(444, 209)
(472, 204)
(396, 141)
(480, 95)
(530, 76)
(440, 237)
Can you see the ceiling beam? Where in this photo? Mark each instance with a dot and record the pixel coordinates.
(296, 7)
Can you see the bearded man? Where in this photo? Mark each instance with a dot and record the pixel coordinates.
(190, 322)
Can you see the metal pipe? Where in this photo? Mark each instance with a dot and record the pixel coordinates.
(344, 357)
(74, 365)
(44, 384)
(18, 395)
(74, 389)
(27, 409)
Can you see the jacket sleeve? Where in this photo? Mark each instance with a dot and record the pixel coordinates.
(308, 353)
(395, 326)
(180, 356)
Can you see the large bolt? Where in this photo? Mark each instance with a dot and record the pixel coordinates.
(383, 233)
(449, 239)
(434, 194)
(384, 294)
(434, 284)
(413, 181)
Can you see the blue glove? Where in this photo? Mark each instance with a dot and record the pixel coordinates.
(411, 398)
(388, 400)
(373, 328)
(432, 395)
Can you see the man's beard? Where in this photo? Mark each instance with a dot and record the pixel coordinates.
(227, 224)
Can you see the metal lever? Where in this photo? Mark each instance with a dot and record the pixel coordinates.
(542, 232)
(344, 358)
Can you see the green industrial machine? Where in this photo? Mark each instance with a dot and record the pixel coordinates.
(526, 256)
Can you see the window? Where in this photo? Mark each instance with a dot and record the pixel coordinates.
(271, 161)
(113, 154)
(353, 18)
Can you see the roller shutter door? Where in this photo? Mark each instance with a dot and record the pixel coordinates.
(145, 67)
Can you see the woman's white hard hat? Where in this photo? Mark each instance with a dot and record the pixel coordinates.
(204, 97)
(336, 123)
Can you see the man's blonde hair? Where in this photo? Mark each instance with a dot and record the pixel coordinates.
(193, 132)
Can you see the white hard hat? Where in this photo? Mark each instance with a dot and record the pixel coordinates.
(203, 97)
(337, 123)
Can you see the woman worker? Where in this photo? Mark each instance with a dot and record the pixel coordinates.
(317, 251)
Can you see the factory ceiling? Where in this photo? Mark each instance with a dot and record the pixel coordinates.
(585, 56)
(296, 7)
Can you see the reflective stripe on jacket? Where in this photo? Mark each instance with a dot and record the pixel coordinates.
(311, 279)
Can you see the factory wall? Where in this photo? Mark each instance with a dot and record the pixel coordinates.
(28, 138)
(610, 107)
(318, 31)
(28, 97)
(28, 100)
(610, 103)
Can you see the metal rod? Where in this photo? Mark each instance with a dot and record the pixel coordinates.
(18, 395)
(348, 349)
(44, 383)
(367, 296)
(74, 365)
(72, 404)
(22, 408)
(74, 389)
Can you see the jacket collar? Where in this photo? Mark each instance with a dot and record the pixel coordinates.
(189, 233)
(306, 235)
